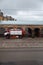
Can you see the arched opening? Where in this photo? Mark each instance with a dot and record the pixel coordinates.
(36, 32)
(2, 30)
(29, 32)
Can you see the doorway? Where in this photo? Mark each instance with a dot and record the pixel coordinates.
(37, 32)
(2, 30)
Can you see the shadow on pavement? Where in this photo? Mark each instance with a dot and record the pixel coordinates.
(32, 62)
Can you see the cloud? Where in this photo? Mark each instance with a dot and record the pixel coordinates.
(21, 4)
(23, 9)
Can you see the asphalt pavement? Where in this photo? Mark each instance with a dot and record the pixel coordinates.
(21, 56)
(26, 51)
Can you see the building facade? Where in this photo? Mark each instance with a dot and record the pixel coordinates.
(6, 18)
(31, 30)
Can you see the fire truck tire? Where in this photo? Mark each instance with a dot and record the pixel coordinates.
(20, 36)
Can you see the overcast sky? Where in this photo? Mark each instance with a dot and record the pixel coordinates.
(23, 9)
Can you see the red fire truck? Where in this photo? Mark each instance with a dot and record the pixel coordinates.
(14, 33)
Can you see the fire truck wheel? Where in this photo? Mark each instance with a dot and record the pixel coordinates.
(20, 36)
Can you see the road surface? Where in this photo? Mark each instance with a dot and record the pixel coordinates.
(22, 55)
